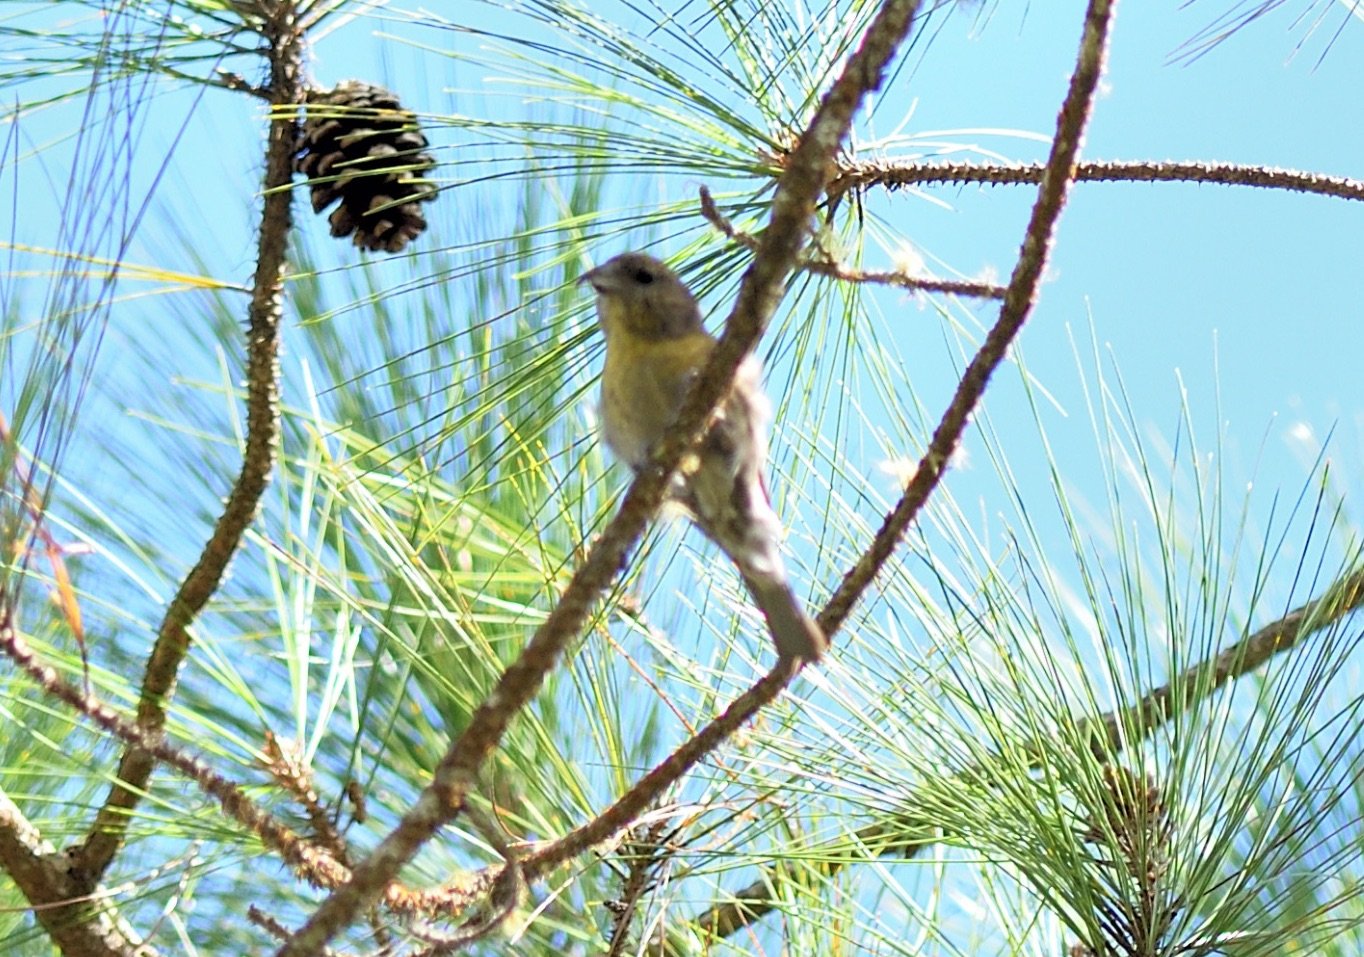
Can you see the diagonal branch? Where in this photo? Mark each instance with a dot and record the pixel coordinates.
(1018, 301)
(893, 174)
(109, 829)
(1199, 681)
(1017, 305)
(802, 183)
(906, 834)
(638, 798)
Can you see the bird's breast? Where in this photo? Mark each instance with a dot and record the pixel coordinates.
(643, 385)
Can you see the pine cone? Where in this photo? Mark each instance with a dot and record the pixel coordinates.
(357, 144)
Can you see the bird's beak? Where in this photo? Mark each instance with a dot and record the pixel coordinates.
(601, 279)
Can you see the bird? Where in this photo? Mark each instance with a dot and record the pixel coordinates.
(656, 345)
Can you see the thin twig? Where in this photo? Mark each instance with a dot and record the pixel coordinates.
(109, 828)
(630, 805)
(237, 83)
(273, 927)
(286, 766)
(793, 204)
(266, 922)
(506, 894)
(824, 265)
(894, 174)
(643, 858)
(905, 833)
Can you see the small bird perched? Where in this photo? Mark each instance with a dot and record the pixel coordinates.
(655, 346)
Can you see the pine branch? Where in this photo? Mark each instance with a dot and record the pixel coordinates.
(109, 829)
(285, 764)
(78, 925)
(1018, 300)
(823, 265)
(507, 891)
(644, 793)
(904, 833)
(894, 174)
(310, 861)
(1199, 681)
(802, 183)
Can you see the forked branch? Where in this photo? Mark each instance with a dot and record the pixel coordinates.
(110, 826)
(826, 266)
(802, 183)
(43, 877)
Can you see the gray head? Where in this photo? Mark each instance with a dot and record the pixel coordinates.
(638, 294)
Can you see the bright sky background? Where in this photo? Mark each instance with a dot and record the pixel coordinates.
(1257, 292)
(1253, 296)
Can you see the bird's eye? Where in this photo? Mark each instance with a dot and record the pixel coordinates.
(643, 277)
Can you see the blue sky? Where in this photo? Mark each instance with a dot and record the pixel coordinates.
(1245, 300)
(1248, 299)
(1263, 286)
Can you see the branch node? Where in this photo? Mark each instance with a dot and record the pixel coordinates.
(824, 264)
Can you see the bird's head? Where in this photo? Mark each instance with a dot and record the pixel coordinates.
(638, 294)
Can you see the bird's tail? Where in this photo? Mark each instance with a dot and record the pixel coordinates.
(795, 633)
